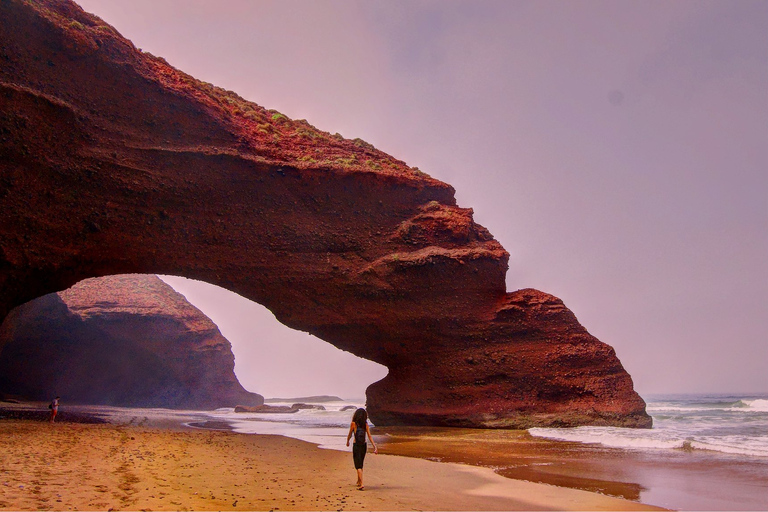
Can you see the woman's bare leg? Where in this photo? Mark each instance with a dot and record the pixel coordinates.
(359, 478)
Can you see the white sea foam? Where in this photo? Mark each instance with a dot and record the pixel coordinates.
(655, 440)
(733, 425)
(758, 404)
(739, 445)
(667, 408)
(738, 405)
(611, 436)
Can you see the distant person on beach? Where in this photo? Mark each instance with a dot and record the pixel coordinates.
(359, 429)
(54, 407)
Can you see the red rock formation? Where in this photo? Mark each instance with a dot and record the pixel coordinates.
(127, 340)
(112, 161)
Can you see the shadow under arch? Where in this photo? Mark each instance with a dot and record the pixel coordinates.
(114, 162)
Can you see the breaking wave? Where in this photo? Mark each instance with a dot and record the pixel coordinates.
(725, 424)
(637, 439)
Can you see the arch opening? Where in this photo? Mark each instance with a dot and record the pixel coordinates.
(272, 359)
(135, 340)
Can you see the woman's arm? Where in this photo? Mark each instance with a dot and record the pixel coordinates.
(351, 431)
(368, 431)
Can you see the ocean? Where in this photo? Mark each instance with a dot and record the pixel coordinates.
(704, 452)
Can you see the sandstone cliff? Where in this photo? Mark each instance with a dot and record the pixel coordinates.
(112, 161)
(127, 340)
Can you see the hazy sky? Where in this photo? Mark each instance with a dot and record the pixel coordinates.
(618, 151)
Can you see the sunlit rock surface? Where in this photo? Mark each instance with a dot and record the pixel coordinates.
(126, 340)
(112, 161)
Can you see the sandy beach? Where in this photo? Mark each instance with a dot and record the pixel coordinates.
(75, 466)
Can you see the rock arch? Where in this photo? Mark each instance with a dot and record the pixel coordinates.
(112, 162)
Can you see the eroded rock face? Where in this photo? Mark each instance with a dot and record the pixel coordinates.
(127, 340)
(112, 161)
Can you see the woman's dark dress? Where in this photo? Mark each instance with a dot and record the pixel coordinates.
(360, 447)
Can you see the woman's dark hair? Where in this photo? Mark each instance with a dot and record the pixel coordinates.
(360, 417)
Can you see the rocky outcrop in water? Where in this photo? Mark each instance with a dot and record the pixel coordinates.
(274, 409)
(127, 340)
(112, 161)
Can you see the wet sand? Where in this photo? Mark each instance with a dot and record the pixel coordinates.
(76, 466)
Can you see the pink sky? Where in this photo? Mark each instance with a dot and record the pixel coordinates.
(618, 151)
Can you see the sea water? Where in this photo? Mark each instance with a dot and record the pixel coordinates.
(732, 424)
(327, 428)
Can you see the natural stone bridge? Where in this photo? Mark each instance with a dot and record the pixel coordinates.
(113, 162)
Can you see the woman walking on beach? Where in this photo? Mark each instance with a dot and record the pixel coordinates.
(359, 429)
